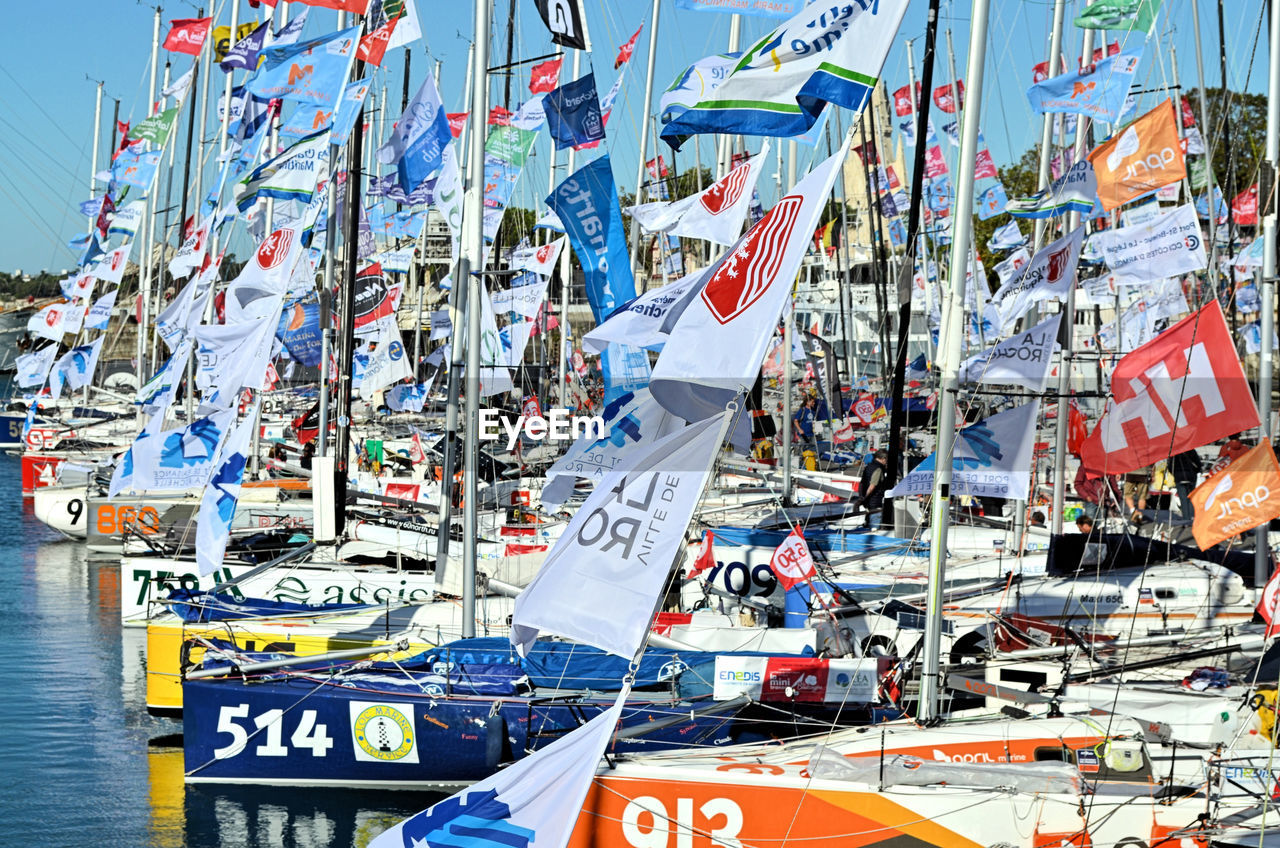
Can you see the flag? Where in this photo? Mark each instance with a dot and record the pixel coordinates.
(136, 169)
(545, 76)
(1165, 246)
(903, 103)
(1140, 159)
(110, 268)
(992, 458)
(601, 580)
(945, 97)
(388, 363)
(418, 142)
(714, 214)
(792, 562)
(74, 369)
(706, 555)
(1049, 275)
(187, 35)
(643, 321)
(573, 113)
(191, 255)
(1244, 207)
(177, 89)
(358, 7)
(380, 26)
(695, 83)
(1006, 237)
(32, 368)
(407, 397)
(625, 51)
(1119, 15)
(1182, 389)
(536, 801)
(244, 54)
(290, 176)
(312, 71)
(764, 8)
(992, 201)
(1268, 600)
(540, 260)
(1075, 191)
(100, 313)
(1024, 360)
(783, 81)
(457, 120)
(221, 495)
(718, 341)
(566, 22)
(1097, 91)
(156, 128)
(1237, 498)
(48, 322)
(374, 299)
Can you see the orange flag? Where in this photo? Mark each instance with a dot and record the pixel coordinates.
(1140, 158)
(1240, 497)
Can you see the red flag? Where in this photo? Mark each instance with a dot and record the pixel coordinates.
(545, 76)
(1267, 603)
(1188, 117)
(1182, 389)
(358, 7)
(456, 122)
(945, 101)
(530, 408)
(935, 165)
(373, 46)
(792, 563)
(417, 453)
(706, 557)
(108, 206)
(1077, 429)
(499, 117)
(1244, 207)
(1112, 49)
(985, 167)
(186, 35)
(625, 51)
(902, 101)
(657, 168)
(1040, 72)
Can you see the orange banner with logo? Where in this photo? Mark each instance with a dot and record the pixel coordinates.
(1240, 497)
(1140, 158)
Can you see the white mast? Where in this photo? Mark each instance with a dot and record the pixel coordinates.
(473, 267)
(1208, 150)
(1266, 292)
(722, 147)
(93, 166)
(566, 275)
(644, 142)
(949, 363)
(326, 293)
(1046, 135)
(144, 261)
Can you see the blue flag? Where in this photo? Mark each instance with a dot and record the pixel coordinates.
(245, 53)
(417, 143)
(312, 71)
(1098, 91)
(587, 205)
(573, 113)
(299, 330)
(135, 169)
(991, 201)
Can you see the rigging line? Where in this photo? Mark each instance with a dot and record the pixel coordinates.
(49, 234)
(43, 150)
(18, 85)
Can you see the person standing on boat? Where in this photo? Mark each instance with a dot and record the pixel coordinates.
(871, 487)
(804, 420)
(1186, 467)
(1137, 485)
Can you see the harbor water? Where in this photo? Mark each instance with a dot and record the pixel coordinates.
(82, 763)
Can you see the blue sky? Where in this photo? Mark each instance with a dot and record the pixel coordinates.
(52, 58)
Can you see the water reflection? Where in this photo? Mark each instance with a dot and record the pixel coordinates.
(78, 739)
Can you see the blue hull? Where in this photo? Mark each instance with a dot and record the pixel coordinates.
(303, 732)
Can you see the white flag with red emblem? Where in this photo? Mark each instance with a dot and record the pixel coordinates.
(715, 214)
(540, 260)
(715, 348)
(706, 557)
(792, 563)
(1183, 389)
(48, 322)
(191, 255)
(110, 268)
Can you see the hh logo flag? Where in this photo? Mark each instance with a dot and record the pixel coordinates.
(187, 35)
(825, 54)
(1240, 497)
(1098, 91)
(1143, 157)
(313, 71)
(573, 113)
(1182, 389)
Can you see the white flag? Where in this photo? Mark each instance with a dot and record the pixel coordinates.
(388, 363)
(524, 299)
(48, 322)
(259, 290)
(1049, 275)
(233, 357)
(644, 322)
(1166, 246)
(75, 368)
(218, 503)
(1024, 360)
(494, 376)
(719, 340)
(600, 582)
(81, 285)
(540, 260)
(178, 88)
(32, 368)
(1012, 265)
(533, 803)
(992, 458)
(192, 252)
(182, 458)
(715, 214)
